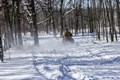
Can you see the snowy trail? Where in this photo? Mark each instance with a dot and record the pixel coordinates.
(15, 68)
(93, 61)
(86, 60)
(20, 68)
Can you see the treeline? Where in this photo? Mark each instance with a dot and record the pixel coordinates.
(17, 17)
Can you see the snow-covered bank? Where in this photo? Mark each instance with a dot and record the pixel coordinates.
(87, 59)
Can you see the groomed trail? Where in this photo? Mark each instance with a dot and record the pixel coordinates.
(87, 59)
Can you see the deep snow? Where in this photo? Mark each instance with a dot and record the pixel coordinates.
(87, 59)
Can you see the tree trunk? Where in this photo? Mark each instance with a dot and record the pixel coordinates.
(36, 40)
(61, 17)
(18, 16)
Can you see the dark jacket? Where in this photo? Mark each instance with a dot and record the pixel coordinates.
(67, 34)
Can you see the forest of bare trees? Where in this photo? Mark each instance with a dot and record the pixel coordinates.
(101, 18)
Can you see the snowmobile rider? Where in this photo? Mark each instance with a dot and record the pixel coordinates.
(67, 36)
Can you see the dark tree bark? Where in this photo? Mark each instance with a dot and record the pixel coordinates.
(61, 18)
(36, 40)
(8, 24)
(52, 20)
(1, 49)
(76, 19)
(18, 16)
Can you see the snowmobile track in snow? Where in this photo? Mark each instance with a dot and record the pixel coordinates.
(35, 66)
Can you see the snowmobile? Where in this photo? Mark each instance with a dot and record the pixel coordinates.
(68, 41)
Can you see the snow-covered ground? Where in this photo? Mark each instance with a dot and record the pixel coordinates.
(87, 59)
